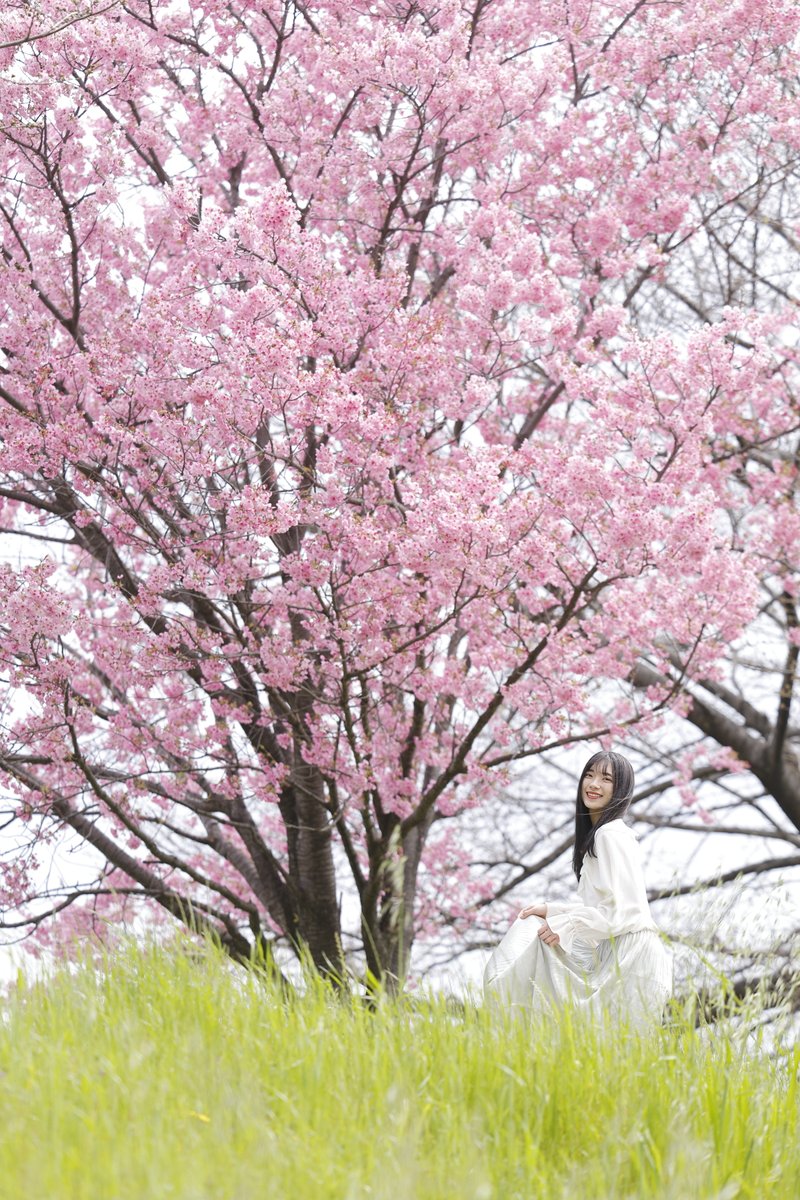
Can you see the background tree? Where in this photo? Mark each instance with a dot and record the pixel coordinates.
(355, 473)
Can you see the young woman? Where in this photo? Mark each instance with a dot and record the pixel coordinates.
(601, 952)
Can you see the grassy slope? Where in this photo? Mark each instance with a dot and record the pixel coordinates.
(167, 1077)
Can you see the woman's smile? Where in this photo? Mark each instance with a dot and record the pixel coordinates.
(598, 785)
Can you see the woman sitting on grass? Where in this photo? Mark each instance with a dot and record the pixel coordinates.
(601, 952)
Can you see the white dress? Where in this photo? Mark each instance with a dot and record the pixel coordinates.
(610, 959)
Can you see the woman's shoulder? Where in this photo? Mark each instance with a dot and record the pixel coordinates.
(616, 832)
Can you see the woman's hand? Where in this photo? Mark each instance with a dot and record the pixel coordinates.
(545, 932)
(548, 936)
(534, 910)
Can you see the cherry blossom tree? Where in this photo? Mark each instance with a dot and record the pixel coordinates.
(349, 468)
(724, 775)
(749, 257)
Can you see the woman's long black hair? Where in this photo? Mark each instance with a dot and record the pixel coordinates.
(618, 805)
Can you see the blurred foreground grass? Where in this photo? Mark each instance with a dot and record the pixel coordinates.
(167, 1075)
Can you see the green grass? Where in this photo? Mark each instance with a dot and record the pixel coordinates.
(167, 1076)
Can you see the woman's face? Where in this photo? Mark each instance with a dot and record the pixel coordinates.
(597, 786)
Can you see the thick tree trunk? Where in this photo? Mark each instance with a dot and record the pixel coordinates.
(388, 906)
(312, 873)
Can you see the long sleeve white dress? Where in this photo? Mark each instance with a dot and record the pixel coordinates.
(610, 959)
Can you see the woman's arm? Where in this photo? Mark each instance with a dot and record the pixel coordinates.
(548, 935)
(617, 879)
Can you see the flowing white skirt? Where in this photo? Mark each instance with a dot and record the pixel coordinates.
(628, 977)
